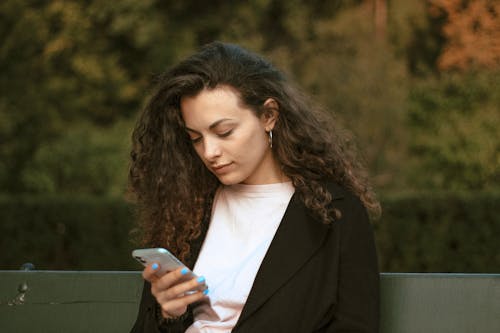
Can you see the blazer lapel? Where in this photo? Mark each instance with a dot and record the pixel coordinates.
(295, 241)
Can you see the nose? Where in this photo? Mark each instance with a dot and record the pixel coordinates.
(211, 149)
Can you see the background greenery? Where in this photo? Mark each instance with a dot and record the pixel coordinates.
(417, 83)
(427, 232)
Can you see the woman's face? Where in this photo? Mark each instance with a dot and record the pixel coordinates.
(230, 139)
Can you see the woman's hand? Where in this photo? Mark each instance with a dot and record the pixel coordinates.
(173, 291)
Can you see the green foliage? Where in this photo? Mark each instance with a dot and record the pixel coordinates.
(416, 35)
(426, 232)
(74, 74)
(334, 56)
(365, 85)
(455, 138)
(57, 232)
(64, 64)
(439, 232)
(82, 160)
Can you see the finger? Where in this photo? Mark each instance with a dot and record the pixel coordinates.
(170, 279)
(178, 306)
(149, 273)
(181, 289)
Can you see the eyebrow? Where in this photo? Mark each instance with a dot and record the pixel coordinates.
(212, 126)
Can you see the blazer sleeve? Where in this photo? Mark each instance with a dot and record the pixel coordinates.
(147, 320)
(358, 305)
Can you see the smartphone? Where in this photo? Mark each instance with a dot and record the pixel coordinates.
(167, 261)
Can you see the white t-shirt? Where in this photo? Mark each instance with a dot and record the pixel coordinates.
(244, 221)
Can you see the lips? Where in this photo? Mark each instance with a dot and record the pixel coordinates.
(221, 168)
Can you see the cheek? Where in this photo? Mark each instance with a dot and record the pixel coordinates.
(260, 140)
(253, 147)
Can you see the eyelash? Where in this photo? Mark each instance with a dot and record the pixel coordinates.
(222, 135)
(226, 134)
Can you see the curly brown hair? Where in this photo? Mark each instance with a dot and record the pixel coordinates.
(170, 184)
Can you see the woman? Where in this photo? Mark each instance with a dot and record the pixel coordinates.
(250, 185)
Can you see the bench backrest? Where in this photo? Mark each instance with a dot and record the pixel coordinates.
(440, 303)
(63, 301)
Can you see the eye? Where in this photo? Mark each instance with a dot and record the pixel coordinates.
(225, 134)
(195, 140)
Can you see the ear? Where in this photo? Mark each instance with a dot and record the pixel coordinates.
(270, 114)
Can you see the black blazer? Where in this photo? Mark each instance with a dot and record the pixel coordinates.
(313, 278)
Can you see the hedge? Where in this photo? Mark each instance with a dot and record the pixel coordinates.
(440, 232)
(91, 233)
(426, 232)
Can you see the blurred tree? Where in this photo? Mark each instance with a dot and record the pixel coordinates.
(380, 18)
(70, 62)
(63, 63)
(455, 142)
(454, 116)
(416, 36)
(472, 32)
(357, 76)
(75, 72)
(330, 48)
(87, 159)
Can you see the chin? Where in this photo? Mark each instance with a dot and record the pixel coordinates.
(229, 179)
(228, 182)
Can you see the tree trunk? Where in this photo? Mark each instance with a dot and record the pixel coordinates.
(380, 18)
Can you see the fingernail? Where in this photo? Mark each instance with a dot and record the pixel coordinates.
(184, 271)
(154, 266)
(205, 292)
(201, 279)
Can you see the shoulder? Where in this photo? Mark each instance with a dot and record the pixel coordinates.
(343, 197)
(336, 190)
(353, 229)
(353, 214)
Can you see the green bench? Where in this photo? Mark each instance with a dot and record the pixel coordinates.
(81, 301)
